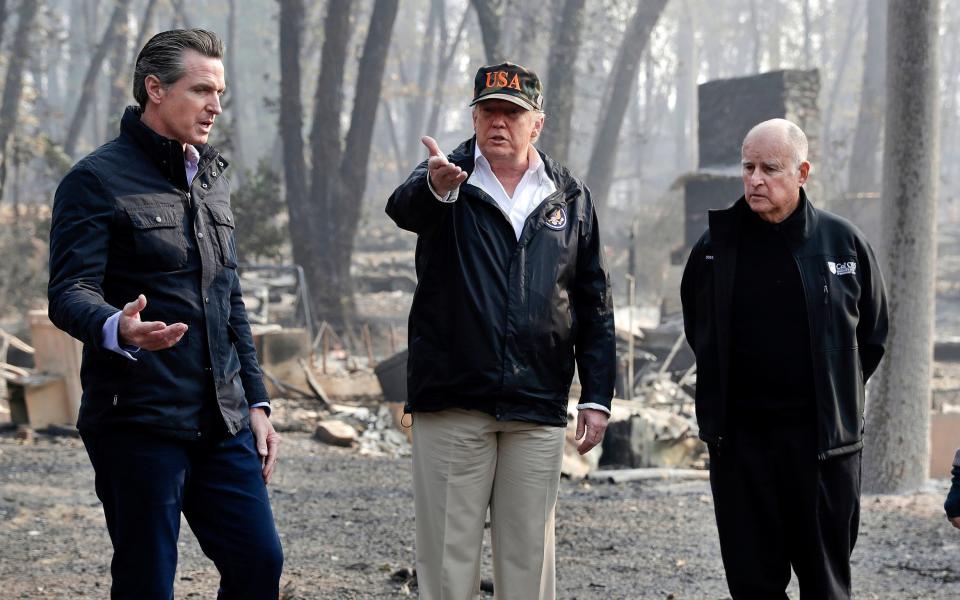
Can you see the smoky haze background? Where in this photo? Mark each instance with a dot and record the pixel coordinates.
(75, 61)
(327, 101)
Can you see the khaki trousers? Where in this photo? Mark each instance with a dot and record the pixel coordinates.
(463, 462)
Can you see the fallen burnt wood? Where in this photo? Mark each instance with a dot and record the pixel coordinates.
(652, 474)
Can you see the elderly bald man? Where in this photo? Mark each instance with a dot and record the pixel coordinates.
(784, 307)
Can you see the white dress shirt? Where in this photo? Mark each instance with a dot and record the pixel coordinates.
(534, 186)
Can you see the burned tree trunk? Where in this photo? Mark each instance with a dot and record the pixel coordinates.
(13, 85)
(490, 18)
(235, 98)
(3, 19)
(774, 36)
(865, 157)
(148, 13)
(93, 70)
(433, 43)
(624, 74)
(325, 134)
(292, 16)
(180, 14)
(854, 23)
(755, 47)
(897, 453)
(559, 92)
(119, 65)
(325, 144)
(324, 219)
(686, 107)
(443, 67)
(345, 196)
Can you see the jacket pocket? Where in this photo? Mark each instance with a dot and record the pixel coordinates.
(222, 218)
(839, 296)
(158, 238)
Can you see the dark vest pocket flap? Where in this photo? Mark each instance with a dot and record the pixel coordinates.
(221, 214)
(153, 217)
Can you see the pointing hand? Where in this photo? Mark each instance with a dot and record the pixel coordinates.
(444, 175)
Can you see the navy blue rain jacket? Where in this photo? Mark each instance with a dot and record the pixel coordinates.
(125, 222)
(496, 323)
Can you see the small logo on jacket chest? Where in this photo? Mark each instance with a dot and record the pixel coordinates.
(843, 268)
(557, 218)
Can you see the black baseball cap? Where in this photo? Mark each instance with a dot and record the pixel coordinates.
(510, 82)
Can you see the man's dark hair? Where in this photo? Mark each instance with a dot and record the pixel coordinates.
(162, 57)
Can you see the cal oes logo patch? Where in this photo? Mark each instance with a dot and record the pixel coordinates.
(557, 219)
(842, 268)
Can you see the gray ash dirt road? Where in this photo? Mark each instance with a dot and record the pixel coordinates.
(347, 524)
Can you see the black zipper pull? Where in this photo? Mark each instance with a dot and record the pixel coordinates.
(826, 291)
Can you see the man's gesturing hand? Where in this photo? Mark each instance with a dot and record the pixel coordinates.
(444, 175)
(149, 335)
(268, 441)
(591, 424)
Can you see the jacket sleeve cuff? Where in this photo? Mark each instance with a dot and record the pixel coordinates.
(594, 406)
(264, 405)
(111, 338)
(952, 504)
(449, 198)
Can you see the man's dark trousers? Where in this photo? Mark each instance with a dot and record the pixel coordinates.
(144, 482)
(778, 506)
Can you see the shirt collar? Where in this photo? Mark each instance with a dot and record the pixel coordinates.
(534, 162)
(191, 156)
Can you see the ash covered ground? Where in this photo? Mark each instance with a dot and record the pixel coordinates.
(346, 521)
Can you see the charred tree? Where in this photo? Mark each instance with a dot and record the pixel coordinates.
(443, 67)
(624, 76)
(325, 216)
(560, 91)
(417, 102)
(897, 452)
(180, 14)
(119, 64)
(490, 19)
(149, 12)
(292, 17)
(326, 133)
(352, 180)
(3, 20)
(865, 157)
(235, 98)
(91, 17)
(756, 45)
(854, 23)
(13, 84)
(89, 80)
(686, 106)
(774, 36)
